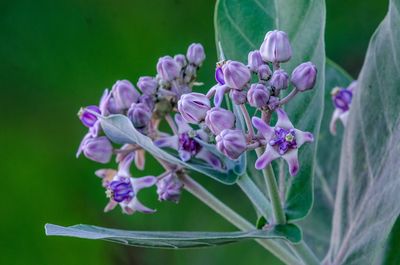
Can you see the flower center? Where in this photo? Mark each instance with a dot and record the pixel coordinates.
(188, 143)
(284, 140)
(342, 98)
(120, 190)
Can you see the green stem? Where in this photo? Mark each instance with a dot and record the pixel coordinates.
(219, 207)
(305, 253)
(273, 192)
(258, 199)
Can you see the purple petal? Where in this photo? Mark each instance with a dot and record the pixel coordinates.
(139, 159)
(82, 144)
(110, 206)
(170, 141)
(291, 158)
(143, 182)
(266, 131)
(210, 158)
(185, 155)
(125, 164)
(136, 205)
(303, 137)
(335, 116)
(212, 90)
(265, 159)
(183, 127)
(283, 120)
(219, 94)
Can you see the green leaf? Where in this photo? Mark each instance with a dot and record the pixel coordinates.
(174, 240)
(238, 32)
(391, 254)
(120, 130)
(318, 224)
(368, 196)
(261, 222)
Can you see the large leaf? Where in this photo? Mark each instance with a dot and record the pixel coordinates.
(318, 224)
(176, 240)
(241, 27)
(391, 254)
(120, 130)
(368, 196)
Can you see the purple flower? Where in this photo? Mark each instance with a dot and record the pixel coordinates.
(148, 85)
(279, 80)
(258, 96)
(342, 98)
(254, 60)
(167, 68)
(186, 145)
(140, 115)
(122, 189)
(193, 107)
(195, 54)
(98, 149)
(124, 94)
(236, 74)
(304, 76)
(218, 119)
(89, 119)
(276, 47)
(231, 143)
(169, 188)
(283, 140)
(264, 72)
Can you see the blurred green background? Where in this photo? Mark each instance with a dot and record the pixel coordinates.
(56, 56)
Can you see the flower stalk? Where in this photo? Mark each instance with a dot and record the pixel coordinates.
(234, 218)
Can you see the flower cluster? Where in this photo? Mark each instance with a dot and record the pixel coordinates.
(259, 85)
(194, 120)
(341, 98)
(146, 106)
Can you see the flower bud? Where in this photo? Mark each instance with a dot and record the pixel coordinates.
(98, 149)
(147, 100)
(87, 118)
(180, 59)
(304, 76)
(169, 188)
(238, 96)
(276, 47)
(232, 143)
(273, 103)
(264, 72)
(140, 115)
(236, 74)
(148, 85)
(195, 54)
(193, 107)
(254, 60)
(124, 94)
(167, 68)
(258, 96)
(219, 119)
(279, 80)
